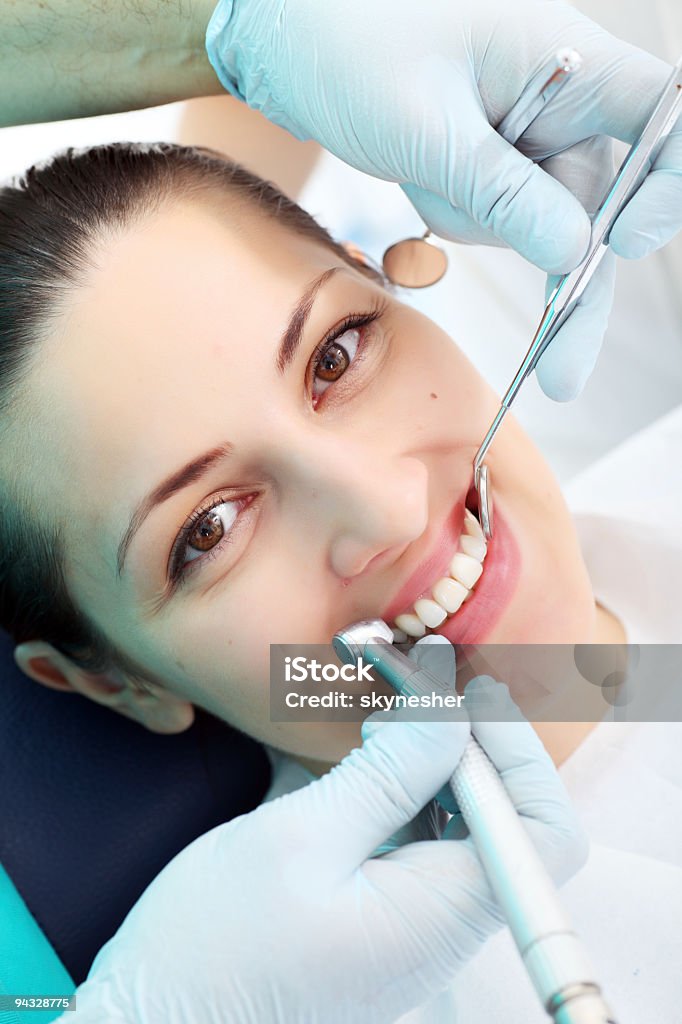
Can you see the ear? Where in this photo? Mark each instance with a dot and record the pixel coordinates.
(157, 710)
(353, 250)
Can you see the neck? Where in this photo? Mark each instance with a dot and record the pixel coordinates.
(562, 738)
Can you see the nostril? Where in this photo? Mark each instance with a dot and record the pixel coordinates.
(384, 558)
(388, 556)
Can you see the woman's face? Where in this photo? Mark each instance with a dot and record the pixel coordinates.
(187, 441)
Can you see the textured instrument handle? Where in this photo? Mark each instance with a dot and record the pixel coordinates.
(553, 956)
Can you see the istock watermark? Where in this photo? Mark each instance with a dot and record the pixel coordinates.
(548, 683)
(300, 669)
(308, 683)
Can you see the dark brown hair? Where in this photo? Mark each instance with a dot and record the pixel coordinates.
(50, 221)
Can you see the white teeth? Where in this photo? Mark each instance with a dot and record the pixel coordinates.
(411, 625)
(450, 594)
(472, 527)
(474, 546)
(430, 612)
(465, 569)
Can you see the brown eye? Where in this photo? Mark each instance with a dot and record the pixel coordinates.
(207, 532)
(333, 363)
(335, 360)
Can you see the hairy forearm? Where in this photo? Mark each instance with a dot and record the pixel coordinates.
(74, 58)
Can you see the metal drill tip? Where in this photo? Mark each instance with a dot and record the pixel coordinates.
(349, 642)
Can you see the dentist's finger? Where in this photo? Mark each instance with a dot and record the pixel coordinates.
(436, 654)
(503, 191)
(381, 786)
(448, 221)
(571, 356)
(531, 779)
(654, 214)
(586, 169)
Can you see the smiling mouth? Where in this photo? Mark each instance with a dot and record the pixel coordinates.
(447, 594)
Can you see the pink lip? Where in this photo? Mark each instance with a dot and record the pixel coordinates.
(432, 568)
(478, 616)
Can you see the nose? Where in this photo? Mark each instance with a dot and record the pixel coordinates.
(367, 505)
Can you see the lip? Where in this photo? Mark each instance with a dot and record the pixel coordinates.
(475, 620)
(433, 567)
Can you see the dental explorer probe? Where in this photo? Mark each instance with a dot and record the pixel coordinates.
(551, 952)
(569, 289)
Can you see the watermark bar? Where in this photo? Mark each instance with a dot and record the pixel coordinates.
(548, 682)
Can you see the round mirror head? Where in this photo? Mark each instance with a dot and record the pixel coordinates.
(415, 263)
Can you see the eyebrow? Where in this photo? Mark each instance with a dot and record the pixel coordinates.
(199, 466)
(291, 339)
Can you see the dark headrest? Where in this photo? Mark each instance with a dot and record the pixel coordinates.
(93, 805)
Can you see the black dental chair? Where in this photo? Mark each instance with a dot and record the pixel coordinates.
(93, 806)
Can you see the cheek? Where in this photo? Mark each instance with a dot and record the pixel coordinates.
(437, 384)
(427, 393)
(223, 645)
(225, 655)
(554, 602)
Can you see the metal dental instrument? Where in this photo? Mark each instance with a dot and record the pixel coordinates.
(551, 952)
(419, 262)
(570, 288)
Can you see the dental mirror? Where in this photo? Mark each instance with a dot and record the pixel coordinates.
(415, 262)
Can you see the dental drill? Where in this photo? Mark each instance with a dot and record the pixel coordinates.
(553, 956)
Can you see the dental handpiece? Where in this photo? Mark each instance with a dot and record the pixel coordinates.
(552, 954)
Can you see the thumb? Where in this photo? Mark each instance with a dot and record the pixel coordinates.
(570, 358)
(585, 170)
(500, 197)
(506, 194)
(382, 785)
(654, 214)
(436, 654)
(523, 205)
(447, 221)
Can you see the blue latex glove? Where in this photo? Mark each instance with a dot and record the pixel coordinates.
(281, 915)
(408, 92)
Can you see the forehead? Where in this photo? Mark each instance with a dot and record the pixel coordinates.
(176, 310)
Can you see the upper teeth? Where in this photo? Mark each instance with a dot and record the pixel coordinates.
(450, 592)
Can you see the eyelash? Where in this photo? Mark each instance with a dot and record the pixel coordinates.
(353, 321)
(179, 571)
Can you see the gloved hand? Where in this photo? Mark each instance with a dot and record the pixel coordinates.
(408, 92)
(279, 915)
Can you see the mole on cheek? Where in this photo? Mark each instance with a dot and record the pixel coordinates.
(434, 395)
